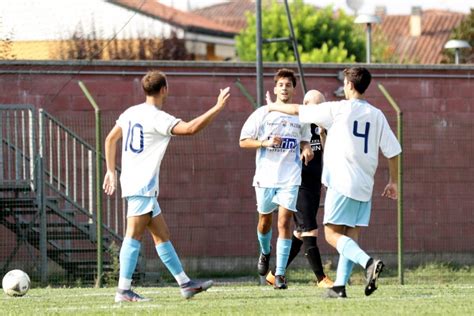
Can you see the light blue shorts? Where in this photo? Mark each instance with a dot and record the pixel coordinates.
(141, 205)
(268, 199)
(342, 210)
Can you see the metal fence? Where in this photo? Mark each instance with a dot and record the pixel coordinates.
(47, 199)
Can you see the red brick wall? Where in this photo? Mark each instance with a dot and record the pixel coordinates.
(206, 191)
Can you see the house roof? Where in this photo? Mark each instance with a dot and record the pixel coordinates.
(231, 13)
(427, 48)
(436, 27)
(186, 20)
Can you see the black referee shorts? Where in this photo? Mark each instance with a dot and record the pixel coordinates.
(307, 206)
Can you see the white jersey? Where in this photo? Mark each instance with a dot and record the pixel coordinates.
(278, 166)
(146, 132)
(356, 131)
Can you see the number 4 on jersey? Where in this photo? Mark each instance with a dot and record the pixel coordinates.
(364, 135)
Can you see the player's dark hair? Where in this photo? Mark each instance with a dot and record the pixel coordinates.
(285, 73)
(360, 77)
(153, 82)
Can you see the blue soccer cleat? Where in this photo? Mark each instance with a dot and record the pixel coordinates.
(188, 290)
(129, 296)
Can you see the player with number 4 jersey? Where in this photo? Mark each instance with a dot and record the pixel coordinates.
(356, 132)
(359, 129)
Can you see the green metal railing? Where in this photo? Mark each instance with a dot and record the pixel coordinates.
(98, 187)
(400, 182)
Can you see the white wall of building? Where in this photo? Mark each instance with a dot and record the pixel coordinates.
(38, 20)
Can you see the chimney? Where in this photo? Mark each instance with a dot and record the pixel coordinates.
(415, 21)
(381, 11)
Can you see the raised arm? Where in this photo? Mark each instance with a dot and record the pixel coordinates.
(391, 189)
(292, 109)
(110, 154)
(194, 126)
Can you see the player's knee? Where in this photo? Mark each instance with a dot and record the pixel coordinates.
(264, 224)
(284, 223)
(330, 235)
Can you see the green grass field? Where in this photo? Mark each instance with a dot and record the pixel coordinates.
(430, 290)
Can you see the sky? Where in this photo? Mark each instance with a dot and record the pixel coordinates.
(393, 6)
(401, 6)
(24, 20)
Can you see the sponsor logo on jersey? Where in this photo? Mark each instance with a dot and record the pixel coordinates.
(287, 143)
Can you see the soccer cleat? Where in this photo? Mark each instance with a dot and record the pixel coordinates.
(270, 278)
(372, 271)
(263, 264)
(188, 290)
(325, 283)
(336, 292)
(129, 296)
(280, 283)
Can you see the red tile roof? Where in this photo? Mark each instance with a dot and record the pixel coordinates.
(424, 49)
(186, 20)
(436, 27)
(231, 13)
(227, 19)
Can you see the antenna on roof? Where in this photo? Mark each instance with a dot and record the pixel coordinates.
(355, 5)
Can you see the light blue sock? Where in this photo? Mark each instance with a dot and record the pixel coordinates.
(344, 270)
(283, 252)
(265, 241)
(129, 257)
(169, 257)
(349, 249)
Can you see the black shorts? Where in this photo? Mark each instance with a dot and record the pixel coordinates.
(307, 206)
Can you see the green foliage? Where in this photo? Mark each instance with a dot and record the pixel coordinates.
(383, 51)
(465, 31)
(322, 36)
(111, 277)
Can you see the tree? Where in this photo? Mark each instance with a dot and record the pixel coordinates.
(465, 31)
(323, 36)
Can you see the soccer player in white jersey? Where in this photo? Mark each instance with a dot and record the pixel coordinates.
(356, 131)
(146, 131)
(307, 204)
(277, 137)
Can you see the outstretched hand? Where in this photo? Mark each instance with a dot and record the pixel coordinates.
(223, 97)
(268, 98)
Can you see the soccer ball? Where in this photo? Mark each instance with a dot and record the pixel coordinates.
(16, 283)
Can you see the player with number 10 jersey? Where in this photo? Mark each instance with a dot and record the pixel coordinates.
(147, 132)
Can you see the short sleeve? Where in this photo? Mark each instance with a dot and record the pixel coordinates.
(319, 114)
(121, 121)
(164, 123)
(252, 124)
(389, 144)
(306, 132)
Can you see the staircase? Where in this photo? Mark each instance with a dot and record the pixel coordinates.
(48, 196)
